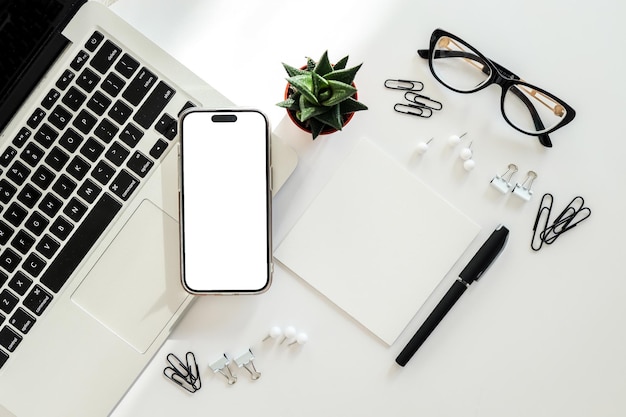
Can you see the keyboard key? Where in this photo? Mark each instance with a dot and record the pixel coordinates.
(105, 57)
(50, 205)
(8, 301)
(47, 246)
(89, 191)
(78, 168)
(87, 80)
(18, 173)
(9, 339)
(50, 98)
(89, 231)
(43, 177)
(6, 191)
(22, 136)
(9, 260)
(22, 242)
(92, 149)
(65, 79)
(29, 196)
(117, 153)
(106, 130)
(22, 321)
(98, 103)
(15, 214)
(159, 147)
(127, 66)
(131, 135)
(36, 118)
(103, 172)
(93, 41)
(60, 117)
(167, 126)
(32, 154)
(70, 140)
(7, 156)
(154, 105)
(61, 228)
(140, 164)
(57, 159)
(120, 112)
(85, 121)
(139, 86)
(3, 357)
(75, 210)
(46, 136)
(74, 98)
(3, 279)
(64, 186)
(123, 185)
(79, 60)
(6, 232)
(36, 223)
(37, 300)
(112, 85)
(20, 283)
(34, 265)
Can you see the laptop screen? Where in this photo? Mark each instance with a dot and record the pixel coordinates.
(27, 27)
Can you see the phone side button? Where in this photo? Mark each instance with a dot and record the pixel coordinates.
(271, 180)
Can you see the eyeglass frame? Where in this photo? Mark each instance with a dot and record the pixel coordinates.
(505, 79)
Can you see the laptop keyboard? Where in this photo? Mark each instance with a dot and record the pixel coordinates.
(79, 158)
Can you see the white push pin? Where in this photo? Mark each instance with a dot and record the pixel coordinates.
(469, 165)
(454, 139)
(422, 147)
(275, 332)
(221, 366)
(502, 182)
(300, 339)
(523, 190)
(466, 153)
(246, 360)
(290, 333)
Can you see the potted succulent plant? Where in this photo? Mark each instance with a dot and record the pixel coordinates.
(320, 97)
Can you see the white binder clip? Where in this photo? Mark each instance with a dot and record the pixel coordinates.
(523, 190)
(246, 360)
(502, 182)
(221, 366)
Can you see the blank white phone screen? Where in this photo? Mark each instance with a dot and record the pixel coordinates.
(225, 201)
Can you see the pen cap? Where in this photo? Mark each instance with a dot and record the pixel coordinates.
(485, 255)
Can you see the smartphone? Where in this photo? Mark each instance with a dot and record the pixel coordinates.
(225, 201)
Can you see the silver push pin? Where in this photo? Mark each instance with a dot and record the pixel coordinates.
(221, 366)
(523, 190)
(502, 182)
(246, 360)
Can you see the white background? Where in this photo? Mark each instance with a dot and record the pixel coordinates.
(541, 334)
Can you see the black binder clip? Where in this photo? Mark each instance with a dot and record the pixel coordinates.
(185, 375)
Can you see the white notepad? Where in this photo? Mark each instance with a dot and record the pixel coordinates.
(376, 241)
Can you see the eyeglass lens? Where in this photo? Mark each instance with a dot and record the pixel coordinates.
(460, 67)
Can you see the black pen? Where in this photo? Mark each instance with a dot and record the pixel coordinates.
(487, 253)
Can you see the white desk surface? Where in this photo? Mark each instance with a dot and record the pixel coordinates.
(542, 334)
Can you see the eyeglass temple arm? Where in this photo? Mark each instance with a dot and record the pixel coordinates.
(544, 139)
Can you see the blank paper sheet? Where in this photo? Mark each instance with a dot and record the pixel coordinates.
(376, 241)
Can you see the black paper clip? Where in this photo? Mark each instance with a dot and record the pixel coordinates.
(574, 213)
(413, 110)
(423, 101)
(405, 85)
(185, 375)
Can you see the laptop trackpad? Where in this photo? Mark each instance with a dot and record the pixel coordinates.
(134, 289)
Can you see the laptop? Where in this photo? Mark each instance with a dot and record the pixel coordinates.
(89, 260)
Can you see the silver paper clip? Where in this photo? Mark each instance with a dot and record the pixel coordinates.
(221, 366)
(185, 375)
(524, 190)
(413, 110)
(502, 182)
(423, 101)
(246, 360)
(405, 85)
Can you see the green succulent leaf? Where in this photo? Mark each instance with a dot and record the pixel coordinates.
(292, 71)
(320, 87)
(316, 127)
(304, 85)
(323, 66)
(341, 64)
(331, 118)
(344, 75)
(341, 92)
(308, 110)
(351, 105)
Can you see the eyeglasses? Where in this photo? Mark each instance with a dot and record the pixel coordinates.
(527, 108)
